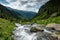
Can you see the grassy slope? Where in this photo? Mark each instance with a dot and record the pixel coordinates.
(50, 20)
(6, 28)
(44, 21)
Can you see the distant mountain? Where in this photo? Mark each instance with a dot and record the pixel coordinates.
(9, 14)
(13, 14)
(49, 10)
(26, 14)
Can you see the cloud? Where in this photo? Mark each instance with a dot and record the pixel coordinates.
(3, 2)
(11, 0)
(27, 5)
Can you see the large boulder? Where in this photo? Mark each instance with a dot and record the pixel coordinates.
(37, 27)
(53, 26)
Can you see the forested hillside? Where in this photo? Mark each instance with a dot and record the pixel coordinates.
(10, 14)
(50, 11)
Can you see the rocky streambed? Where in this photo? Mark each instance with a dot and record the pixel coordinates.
(35, 32)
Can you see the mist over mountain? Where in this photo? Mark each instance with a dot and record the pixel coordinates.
(26, 5)
(26, 14)
(19, 14)
(8, 14)
(25, 8)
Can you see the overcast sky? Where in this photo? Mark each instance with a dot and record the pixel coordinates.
(27, 5)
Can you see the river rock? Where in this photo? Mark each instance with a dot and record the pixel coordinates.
(54, 26)
(45, 36)
(37, 28)
(58, 37)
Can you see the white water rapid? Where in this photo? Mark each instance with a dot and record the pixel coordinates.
(22, 32)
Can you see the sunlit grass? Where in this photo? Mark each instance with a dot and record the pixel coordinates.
(6, 28)
(50, 20)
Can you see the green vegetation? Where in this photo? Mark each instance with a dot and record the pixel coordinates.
(49, 10)
(48, 13)
(45, 21)
(50, 20)
(10, 15)
(6, 28)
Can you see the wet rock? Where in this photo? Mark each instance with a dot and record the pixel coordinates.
(58, 37)
(36, 29)
(45, 36)
(53, 26)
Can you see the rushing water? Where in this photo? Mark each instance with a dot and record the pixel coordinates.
(22, 32)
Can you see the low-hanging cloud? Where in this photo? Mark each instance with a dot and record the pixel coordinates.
(27, 5)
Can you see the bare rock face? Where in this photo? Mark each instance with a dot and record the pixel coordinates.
(53, 25)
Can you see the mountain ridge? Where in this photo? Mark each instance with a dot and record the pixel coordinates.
(49, 10)
(27, 14)
(7, 14)
(15, 14)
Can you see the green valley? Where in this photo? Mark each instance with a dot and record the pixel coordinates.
(48, 13)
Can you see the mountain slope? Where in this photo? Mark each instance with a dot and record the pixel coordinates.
(26, 14)
(9, 14)
(49, 10)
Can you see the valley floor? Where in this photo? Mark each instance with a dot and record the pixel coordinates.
(6, 27)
